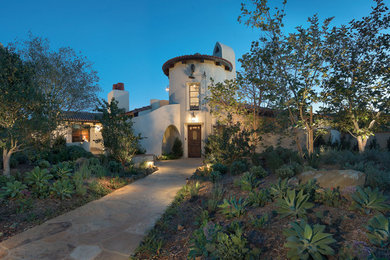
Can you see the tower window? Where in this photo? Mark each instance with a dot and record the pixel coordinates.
(194, 96)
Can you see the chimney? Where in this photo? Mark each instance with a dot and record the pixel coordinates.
(118, 92)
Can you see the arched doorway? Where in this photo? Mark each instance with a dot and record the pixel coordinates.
(170, 134)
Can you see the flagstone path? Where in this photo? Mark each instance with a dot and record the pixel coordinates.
(108, 228)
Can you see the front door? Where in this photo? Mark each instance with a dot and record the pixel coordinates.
(194, 141)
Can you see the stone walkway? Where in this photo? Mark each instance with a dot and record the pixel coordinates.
(109, 228)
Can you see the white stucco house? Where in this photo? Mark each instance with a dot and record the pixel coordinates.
(185, 115)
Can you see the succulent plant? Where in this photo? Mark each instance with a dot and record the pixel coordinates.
(307, 242)
(367, 200)
(233, 207)
(248, 181)
(38, 179)
(379, 230)
(280, 188)
(294, 204)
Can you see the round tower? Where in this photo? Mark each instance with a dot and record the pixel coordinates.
(189, 79)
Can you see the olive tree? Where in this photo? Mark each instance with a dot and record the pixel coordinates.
(21, 105)
(358, 88)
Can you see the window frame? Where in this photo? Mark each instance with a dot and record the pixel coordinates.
(190, 98)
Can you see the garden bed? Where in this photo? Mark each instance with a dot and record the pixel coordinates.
(64, 187)
(198, 226)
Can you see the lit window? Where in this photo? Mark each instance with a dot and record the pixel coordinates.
(194, 96)
(80, 134)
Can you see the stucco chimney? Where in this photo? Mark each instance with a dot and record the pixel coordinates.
(120, 94)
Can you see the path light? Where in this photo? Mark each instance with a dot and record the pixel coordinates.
(167, 89)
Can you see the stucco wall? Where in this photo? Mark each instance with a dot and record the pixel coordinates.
(152, 126)
(179, 94)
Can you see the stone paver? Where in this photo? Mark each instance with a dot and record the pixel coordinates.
(108, 228)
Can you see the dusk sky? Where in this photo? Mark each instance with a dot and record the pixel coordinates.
(128, 41)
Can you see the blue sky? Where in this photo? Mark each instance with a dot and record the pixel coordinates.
(128, 41)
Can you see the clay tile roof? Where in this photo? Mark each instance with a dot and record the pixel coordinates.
(134, 111)
(197, 56)
(81, 116)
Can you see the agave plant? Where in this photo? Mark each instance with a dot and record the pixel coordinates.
(280, 188)
(233, 207)
(307, 242)
(379, 230)
(367, 200)
(294, 204)
(38, 179)
(248, 181)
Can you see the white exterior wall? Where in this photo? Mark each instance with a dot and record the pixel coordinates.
(152, 127)
(179, 94)
(122, 96)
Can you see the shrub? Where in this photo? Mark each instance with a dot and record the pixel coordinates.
(233, 207)
(13, 189)
(215, 176)
(376, 177)
(258, 171)
(285, 171)
(62, 189)
(97, 188)
(258, 198)
(78, 182)
(220, 168)
(294, 204)
(115, 167)
(74, 152)
(20, 157)
(84, 171)
(306, 242)
(38, 179)
(43, 164)
(248, 181)
(367, 200)
(177, 148)
(61, 171)
(379, 230)
(238, 167)
(232, 246)
(310, 187)
(203, 240)
(274, 158)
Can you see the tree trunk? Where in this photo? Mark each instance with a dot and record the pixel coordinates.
(310, 141)
(6, 162)
(361, 143)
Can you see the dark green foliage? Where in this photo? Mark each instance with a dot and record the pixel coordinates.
(177, 148)
(63, 169)
(258, 171)
(59, 142)
(258, 198)
(229, 143)
(294, 204)
(238, 167)
(373, 145)
(43, 164)
(38, 180)
(379, 230)
(118, 137)
(220, 168)
(310, 187)
(285, 171)
(62, 189)
(368, 200)
(330, 197)
(305, 241)
(115, 167)
(98, 188)
(13, 189)
(20, 157)
(232, 245)
(275, 158)
(233, 207)
(260, 221)
(215, 176)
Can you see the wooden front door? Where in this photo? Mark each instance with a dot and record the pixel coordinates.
(194, 141)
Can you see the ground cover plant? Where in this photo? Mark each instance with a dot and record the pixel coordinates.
(243, 215)
(44, 185)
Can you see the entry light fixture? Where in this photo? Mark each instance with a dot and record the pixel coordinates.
(167, 89)
(194, 118)
(192, 70)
